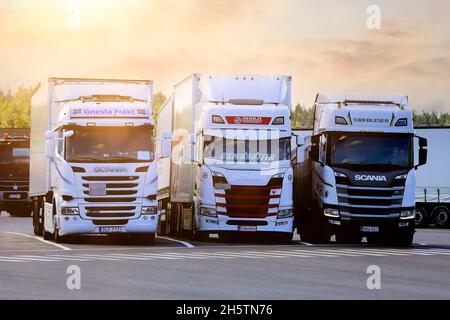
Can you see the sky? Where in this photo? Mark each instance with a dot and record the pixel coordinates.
(326, 46)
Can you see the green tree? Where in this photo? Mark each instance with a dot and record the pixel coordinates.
(15, 108)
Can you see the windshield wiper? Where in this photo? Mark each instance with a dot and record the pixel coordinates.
(123, 159)
(84, 159)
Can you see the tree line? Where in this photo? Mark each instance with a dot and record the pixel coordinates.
(15, 111)
(303, 117)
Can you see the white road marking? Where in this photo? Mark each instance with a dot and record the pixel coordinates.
(11, 259)
(278, 254)
(306, 243)
(41, 240)
(186, 244)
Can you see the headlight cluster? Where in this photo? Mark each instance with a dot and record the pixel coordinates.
(331, 212)
(149, 210)
(407, 214)
(70, 211)
(284, 214)
(209, 212)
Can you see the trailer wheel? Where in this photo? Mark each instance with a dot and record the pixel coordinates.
(442, 216)
(421, 218)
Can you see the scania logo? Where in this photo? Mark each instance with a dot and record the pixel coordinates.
(110, 169)
(364, 177)
(237, 120)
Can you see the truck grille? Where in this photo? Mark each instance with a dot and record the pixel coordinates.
(362, 200)
(14, 186)
(117, 203)
(250, 201)
(110, 212)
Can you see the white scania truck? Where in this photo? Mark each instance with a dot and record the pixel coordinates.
(93, 165)
(357, 173)
(230, 169)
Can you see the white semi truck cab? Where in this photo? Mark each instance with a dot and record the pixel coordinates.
(100, 170)
(362, 171)
(230, 169)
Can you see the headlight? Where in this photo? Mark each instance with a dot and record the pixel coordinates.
(284, 214)
(407, 214)
(149, 210)
(278, 175)
(209, 212)
(331, 212)
(70, 211)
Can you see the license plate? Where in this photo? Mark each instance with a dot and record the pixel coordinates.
(110, 229)
(14, 196)
(247, 228)
(370, 229)
(97, 189)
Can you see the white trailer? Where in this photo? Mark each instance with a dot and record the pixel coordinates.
(230, 169)
(356, 174)
(93, 165)
(433, 179)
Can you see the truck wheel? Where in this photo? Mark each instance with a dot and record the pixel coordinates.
(403, 239)
(442, 216)
(58, 238)
(200, 236)
(283, 237)
(173, 223)
(315, 229)
(421, 218)
(144, 238)
(37, 219)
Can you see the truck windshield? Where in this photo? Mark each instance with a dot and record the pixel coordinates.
(379, 151)
(110, 144)
(14, 152)
(247, 151)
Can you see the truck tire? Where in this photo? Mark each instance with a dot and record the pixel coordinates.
(173, 222)
(200, 236)
(59, 239)
(37, 219)
(441, 216)
(144, 238)
(421, 218)
(283, 237)
(315, 228)
(403, 239)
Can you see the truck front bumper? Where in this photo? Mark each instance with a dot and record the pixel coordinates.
(367, 226)
(75, 225)
(224, 223)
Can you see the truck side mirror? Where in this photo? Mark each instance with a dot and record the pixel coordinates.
(300, 140)
(300, 155)
(192, 148)
(423, 152)
(68, 134)
(314, 152)
(165, 148)
(167, 135)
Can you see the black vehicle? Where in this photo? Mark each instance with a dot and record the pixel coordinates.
(15, 171)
